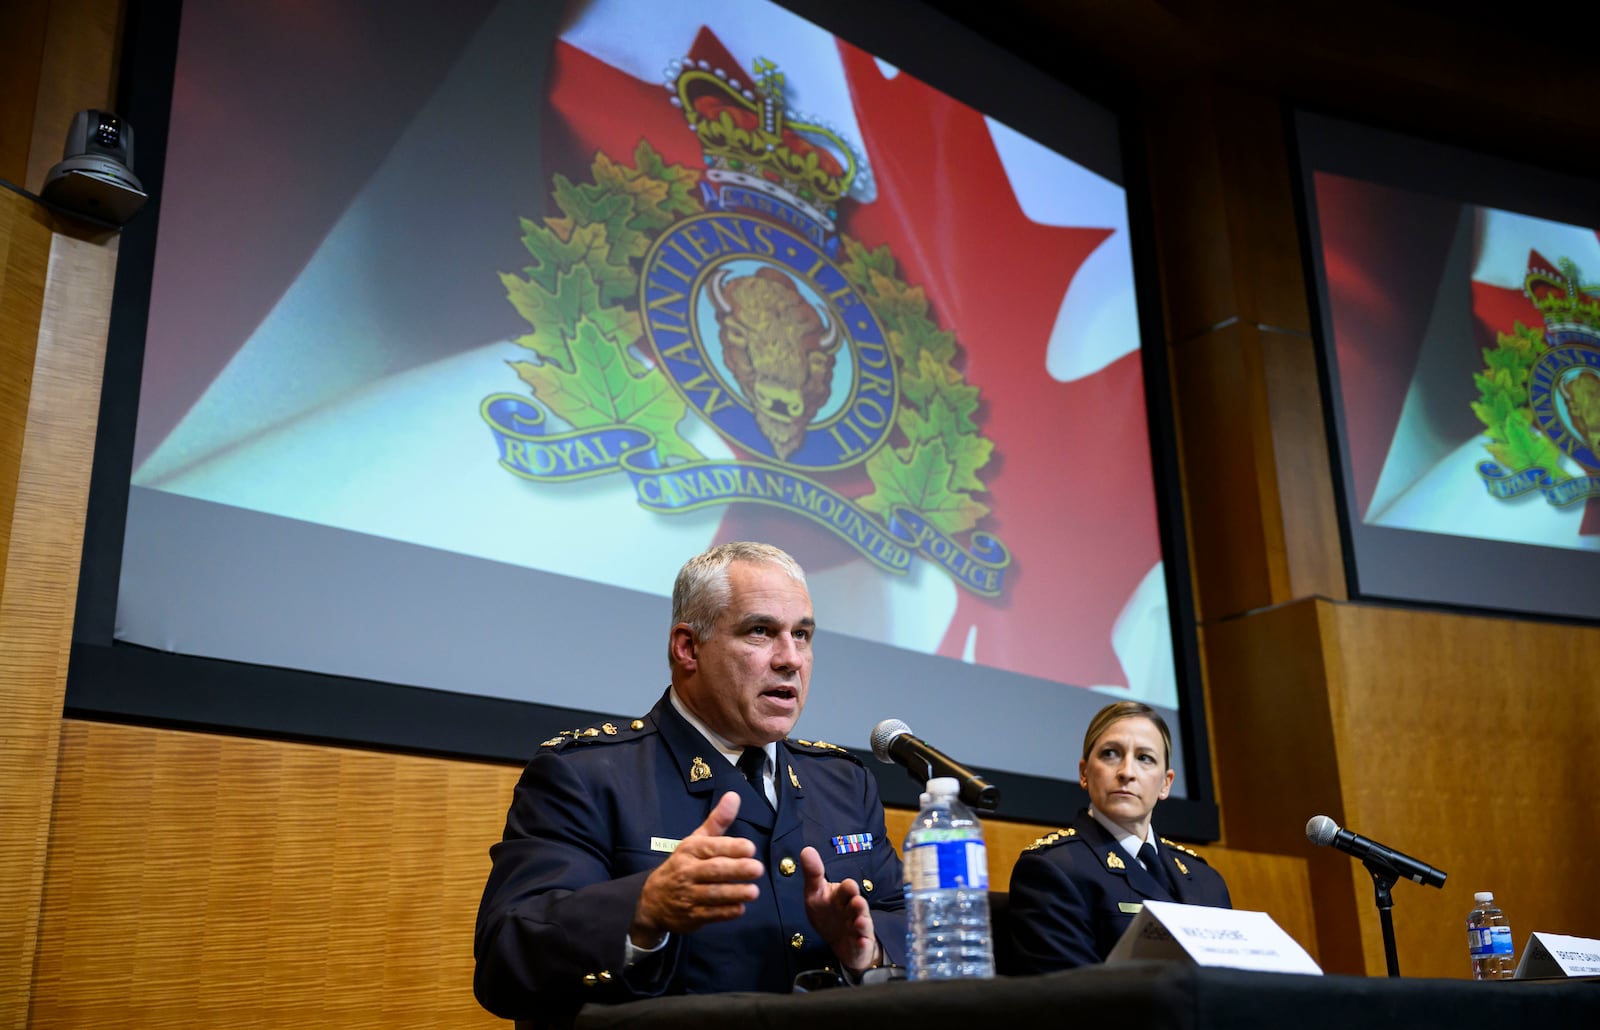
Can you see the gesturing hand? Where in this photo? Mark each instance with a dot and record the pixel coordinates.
(839, 912)
(706, 880)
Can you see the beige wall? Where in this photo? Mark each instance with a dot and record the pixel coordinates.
(157, 878)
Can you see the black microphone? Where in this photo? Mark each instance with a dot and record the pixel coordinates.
(892, 742)
(1322, 831)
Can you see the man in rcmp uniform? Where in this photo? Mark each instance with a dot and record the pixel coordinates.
(696, 849)
(1074, 891)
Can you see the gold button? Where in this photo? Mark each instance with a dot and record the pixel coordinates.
(798, 941)
(786, 867)
(637, 724)
(589, 979)
(866, 885)
(605, 976)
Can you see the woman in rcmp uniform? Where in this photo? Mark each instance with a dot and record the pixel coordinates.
(1074, 891)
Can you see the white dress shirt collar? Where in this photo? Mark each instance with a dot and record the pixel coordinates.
(729, 751)
(1130, 841)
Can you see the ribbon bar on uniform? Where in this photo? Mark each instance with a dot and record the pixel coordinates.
(846, 843)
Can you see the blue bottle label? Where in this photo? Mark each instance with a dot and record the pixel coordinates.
(1490, 942)
(945, 864)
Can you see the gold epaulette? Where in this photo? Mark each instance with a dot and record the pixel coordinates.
(1174, 844)
(600, 732)
(822, 744)
(820, 749)
(1053, 837)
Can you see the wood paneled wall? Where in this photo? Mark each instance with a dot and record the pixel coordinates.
(1470, 742)
(1257, 482)
(72, 49)
(202, 880)
(55, 296)
(1463, 741)
(206, 880)
(55, 301)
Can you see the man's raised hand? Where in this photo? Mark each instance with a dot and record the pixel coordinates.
(839, 912)
(707, 879)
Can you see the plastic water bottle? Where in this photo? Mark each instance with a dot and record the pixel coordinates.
(947, 885)
(1489, 940)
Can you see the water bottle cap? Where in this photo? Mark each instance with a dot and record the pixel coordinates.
(1483, 896)
(944, 786)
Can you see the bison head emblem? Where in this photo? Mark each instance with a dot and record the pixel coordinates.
(1582, 394)
(778, 349)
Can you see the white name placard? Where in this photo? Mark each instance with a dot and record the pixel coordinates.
(1556, 955)
(1212, 937)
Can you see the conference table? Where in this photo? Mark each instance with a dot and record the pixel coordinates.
(1144, 995)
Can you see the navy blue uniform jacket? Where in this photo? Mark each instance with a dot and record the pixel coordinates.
(1074, 891)
(594, 814)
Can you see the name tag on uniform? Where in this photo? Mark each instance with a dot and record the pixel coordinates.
(1130, 908)
(666, 844)
(845, 843)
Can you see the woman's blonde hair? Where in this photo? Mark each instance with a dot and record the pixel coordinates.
(1126, 710)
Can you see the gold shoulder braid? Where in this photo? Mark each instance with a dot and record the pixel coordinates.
(1053, 837)
(605, 729)
(820, 743)
(1174, 844)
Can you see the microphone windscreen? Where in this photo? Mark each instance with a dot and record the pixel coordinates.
(883, 734)
(1321, 830)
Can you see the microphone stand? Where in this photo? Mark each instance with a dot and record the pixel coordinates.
(1383, 878)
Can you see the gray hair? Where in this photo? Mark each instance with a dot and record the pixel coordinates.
(702, 590)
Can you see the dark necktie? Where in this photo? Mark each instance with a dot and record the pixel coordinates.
(753, 763)
(1157, 868)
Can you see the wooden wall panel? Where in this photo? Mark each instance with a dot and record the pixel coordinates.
(1237, 554)
(54, 301)
(1468, 742)
(1302, 468)
(199, 879)
(30, 721)
(78, 70)
(24, 259)
(202, 880)
(21, 59)
(1464, 741)
(1276, 758)
(1223, 202)
(1258, 488)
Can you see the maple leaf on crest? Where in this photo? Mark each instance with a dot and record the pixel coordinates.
(576, 297)
(607, 386)
(930, 379)
(919, 477)
(968, 452)
(1525, 447)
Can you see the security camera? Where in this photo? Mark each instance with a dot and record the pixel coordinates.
(95, 176)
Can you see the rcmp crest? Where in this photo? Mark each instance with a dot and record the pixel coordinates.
(730, 296)
(1540, 395)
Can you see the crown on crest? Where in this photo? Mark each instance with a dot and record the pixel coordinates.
(1569, 307)
(762, 156)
